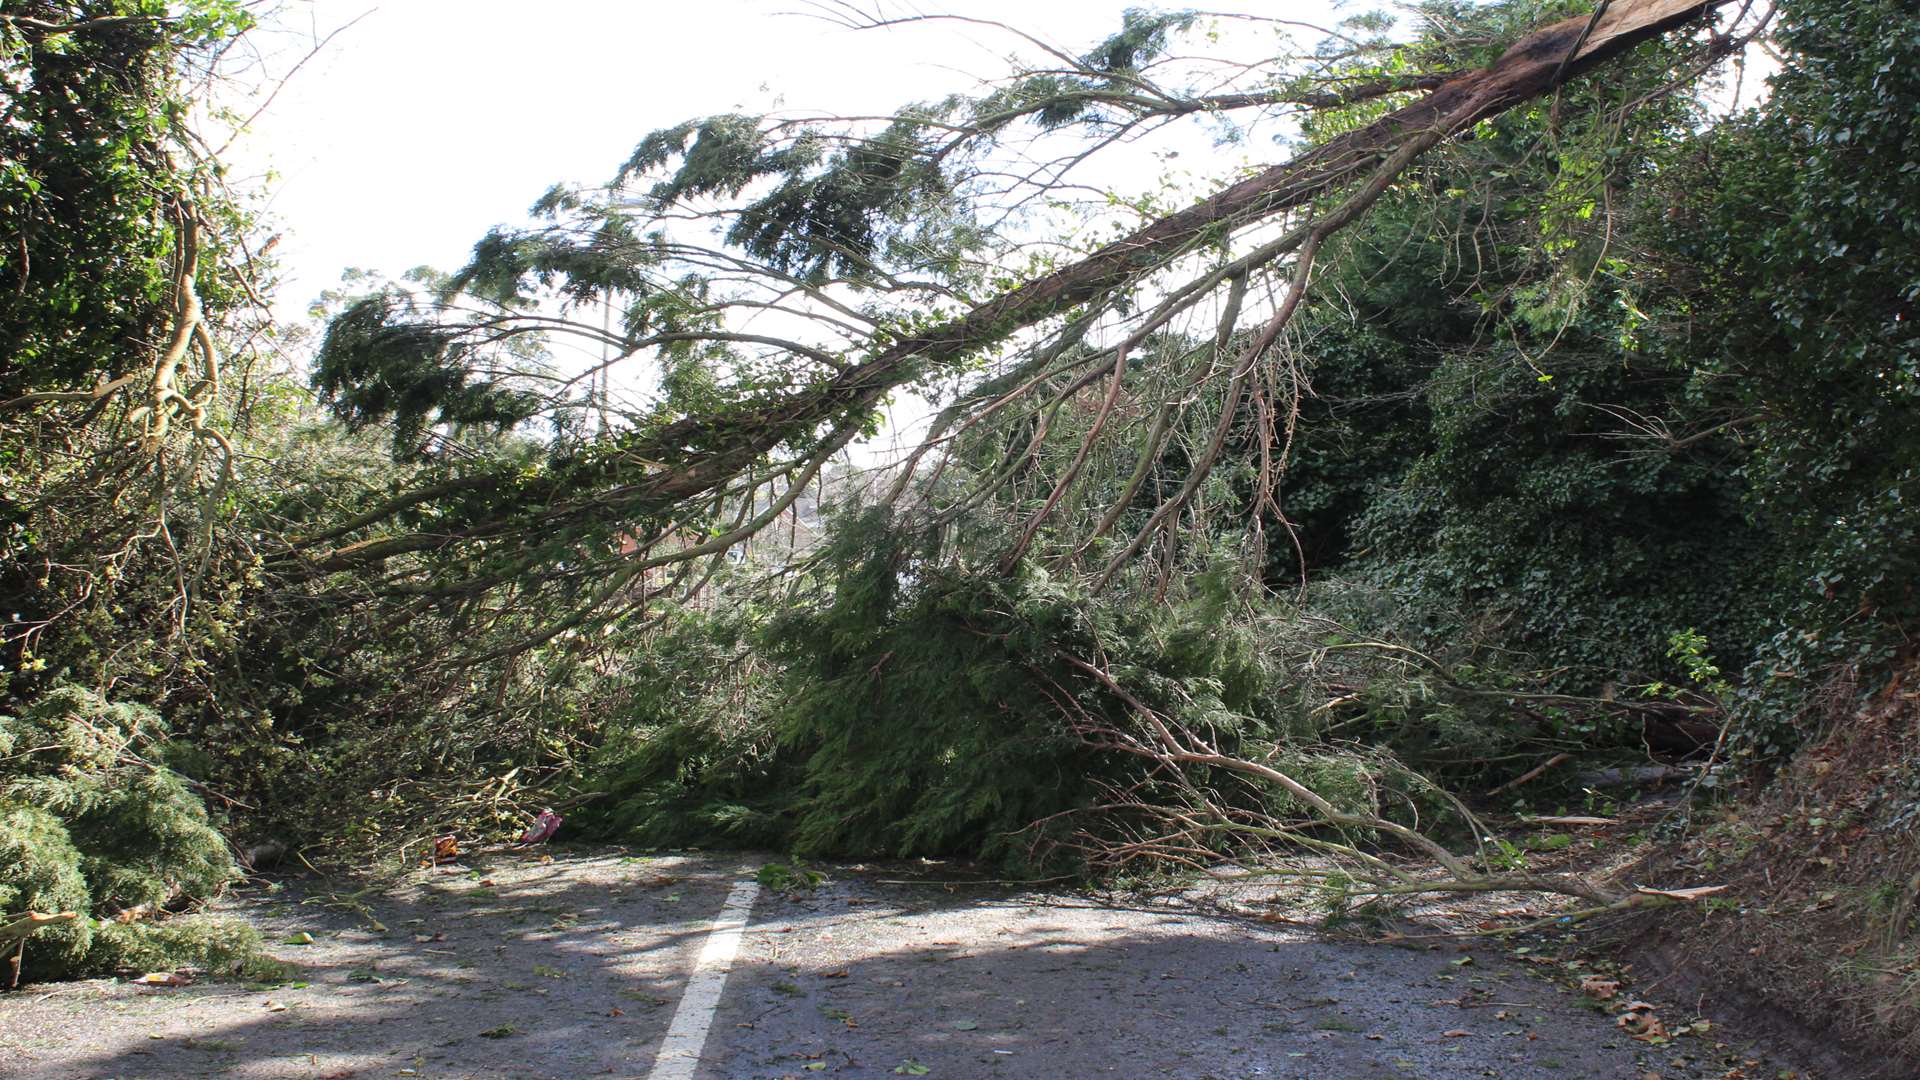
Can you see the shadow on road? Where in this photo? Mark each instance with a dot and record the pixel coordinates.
(867, 986)
(518, 968)
(572, 968)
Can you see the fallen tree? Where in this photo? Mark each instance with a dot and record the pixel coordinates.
(773, 408)
(787, 276)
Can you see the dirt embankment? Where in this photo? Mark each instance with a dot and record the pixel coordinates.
(1816, 936)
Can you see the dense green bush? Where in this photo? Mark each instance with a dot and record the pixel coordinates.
(40, 871)
(1664, 377)
(90, 824)
(1787, 258)
(1486, 438)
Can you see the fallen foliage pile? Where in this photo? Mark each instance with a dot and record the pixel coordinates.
(109, 843)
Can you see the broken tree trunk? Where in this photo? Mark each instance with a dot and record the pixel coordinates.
(1532, 67)
(14, 933)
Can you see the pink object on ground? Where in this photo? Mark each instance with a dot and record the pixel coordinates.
(543, 828)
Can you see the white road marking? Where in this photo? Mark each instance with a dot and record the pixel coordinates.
(687, 1035)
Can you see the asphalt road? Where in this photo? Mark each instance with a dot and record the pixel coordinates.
(604, 964)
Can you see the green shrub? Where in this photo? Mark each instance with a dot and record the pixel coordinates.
(146, 840)
(216, 946)
(89, 824)
(40, 871)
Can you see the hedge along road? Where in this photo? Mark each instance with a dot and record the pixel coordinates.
(677, 967)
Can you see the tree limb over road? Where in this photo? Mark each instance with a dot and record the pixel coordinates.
(681, 464)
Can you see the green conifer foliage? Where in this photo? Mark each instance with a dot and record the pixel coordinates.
(694, 760)
(90, 825)
(40, 871)
(910, 702)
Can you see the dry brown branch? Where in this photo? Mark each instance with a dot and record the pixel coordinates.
(1195, 829)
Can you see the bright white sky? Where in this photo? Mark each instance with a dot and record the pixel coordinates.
(426, 122)
(429, 121)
